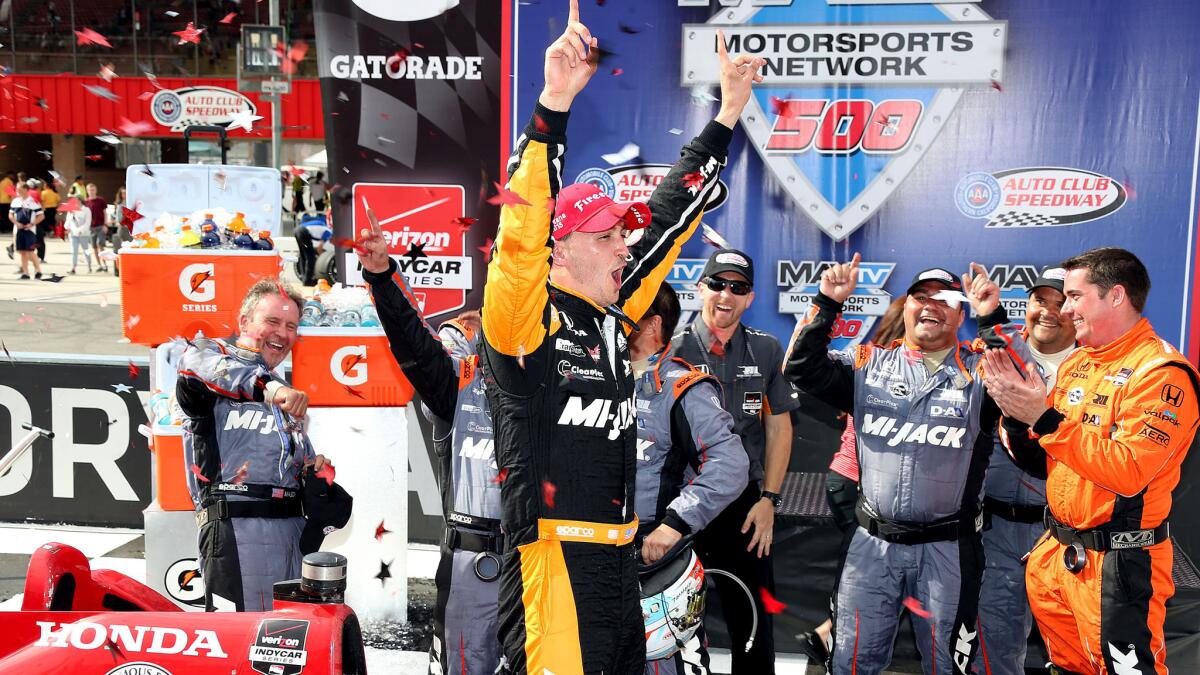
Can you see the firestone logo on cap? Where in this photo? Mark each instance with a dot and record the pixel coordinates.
(580, 203)
(1056, 273)
(732, 259)
(939, 275)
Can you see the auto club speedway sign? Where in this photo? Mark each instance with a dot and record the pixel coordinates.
(203, 106)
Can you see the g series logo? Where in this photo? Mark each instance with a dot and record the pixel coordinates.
(196, 282)
(348, 365)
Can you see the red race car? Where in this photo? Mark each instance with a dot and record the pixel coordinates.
(77, 620)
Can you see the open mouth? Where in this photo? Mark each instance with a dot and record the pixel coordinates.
(274, 347)
(929, 322)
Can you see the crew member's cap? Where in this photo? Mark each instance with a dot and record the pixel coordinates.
(327, 507)
(1051, 277)
(582, 207)
(729, 260)
(937, 275)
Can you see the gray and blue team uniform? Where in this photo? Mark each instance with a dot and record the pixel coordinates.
(245, 461)
(924, 440)
(1014, 503)
(443, 368)
(690, 466)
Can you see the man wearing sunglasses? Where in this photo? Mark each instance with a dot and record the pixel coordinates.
(747, 362)
(924, 425)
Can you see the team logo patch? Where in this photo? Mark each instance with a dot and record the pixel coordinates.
(278, 648)
(1075, 396)
(752, 402)
(900, 390)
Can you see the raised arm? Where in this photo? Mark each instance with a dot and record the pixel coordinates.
(810, 365)
(677, 204)
(414, 344)
(514, 298)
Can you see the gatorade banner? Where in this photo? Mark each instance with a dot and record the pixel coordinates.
(416, 97)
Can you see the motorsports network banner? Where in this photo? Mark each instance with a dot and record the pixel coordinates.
(1012, 133)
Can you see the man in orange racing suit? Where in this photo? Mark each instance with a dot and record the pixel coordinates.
(562, 401)
(1110, 439)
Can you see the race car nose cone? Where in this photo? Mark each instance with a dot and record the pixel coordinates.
(324, 573)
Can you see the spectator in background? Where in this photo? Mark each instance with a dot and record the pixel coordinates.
(50, 201)
(35, 190)
(25, 215)
(79, 228)
(8, 190)
(77, 190)
(97, 205)
(841, 484)
(297, 195)
(316, 189)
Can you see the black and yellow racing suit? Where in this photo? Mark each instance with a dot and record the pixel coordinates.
(562, 403)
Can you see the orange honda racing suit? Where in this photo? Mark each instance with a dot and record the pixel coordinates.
(560, 385)
(1122, 420)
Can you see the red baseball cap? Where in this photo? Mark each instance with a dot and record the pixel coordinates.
(582, 207)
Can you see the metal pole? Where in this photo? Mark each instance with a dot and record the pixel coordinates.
(133, 21)
(276, 100)
(74, 43)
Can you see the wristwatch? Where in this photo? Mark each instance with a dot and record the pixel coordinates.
(775, 497)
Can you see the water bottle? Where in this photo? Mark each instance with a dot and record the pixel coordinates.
(312, 312)
(264, 243)
(348, 318)
(210, 238)
(370, 318)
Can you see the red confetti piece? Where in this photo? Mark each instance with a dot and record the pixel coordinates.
(134, 371)
(616, 502)
(94, 158)
(70, 206)
(400, 55)
(913, 605)
(145, 96)
(540, 125)
(693, 180)
(328, 473)
(228, 18)
(464, 222)
(501, 475)
(506, 197)
(770, 604)
(189, 34)
(354, 392)
(128, 127)
(130, 216)
(550, 204)
(199, 476)
(548, 490)
(114, 649)
(87, 36)
(380, 530)
(487, 249)
(996, 86)
(618, 72)
(240, 476)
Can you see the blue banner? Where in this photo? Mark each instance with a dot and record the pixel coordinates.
(1013, 134)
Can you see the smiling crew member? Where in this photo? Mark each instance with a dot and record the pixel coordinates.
(245, 451)
(1110, 437)
(747, 362)
(925, 427)
(1015, 501)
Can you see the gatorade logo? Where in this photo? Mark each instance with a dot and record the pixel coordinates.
(196, 282)
(349, 365)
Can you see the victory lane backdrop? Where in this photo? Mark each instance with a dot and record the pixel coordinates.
(96, 469)
(1078, 149)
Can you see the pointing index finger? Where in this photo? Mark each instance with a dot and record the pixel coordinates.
(856, 260)
(574, 14)
(721, 52)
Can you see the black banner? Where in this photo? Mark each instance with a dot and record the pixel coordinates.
(416, 101)
(96, 469)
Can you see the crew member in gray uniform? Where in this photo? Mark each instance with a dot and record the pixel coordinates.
(690, 464)
(747, 364)
(925, 427)
(246, 451)
(1015, 501)
(443, 368)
